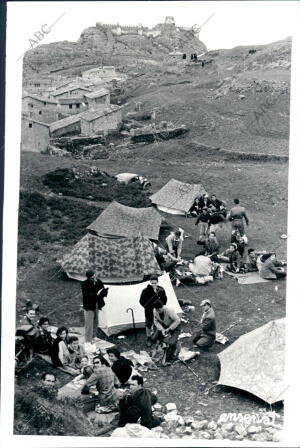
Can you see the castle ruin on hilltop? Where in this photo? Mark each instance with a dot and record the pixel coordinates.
(169, 24)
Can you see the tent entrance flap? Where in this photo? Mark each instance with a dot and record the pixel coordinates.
(114, 319)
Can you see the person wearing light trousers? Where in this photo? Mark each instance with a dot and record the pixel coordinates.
(92, 294)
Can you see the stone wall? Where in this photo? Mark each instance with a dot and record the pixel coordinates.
(105, 123)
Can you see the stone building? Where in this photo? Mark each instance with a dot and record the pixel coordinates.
(100, 73)
(71, 106)
(40, 108)
(101, 120)
(34, 135)
(98, 97)
(71, 91)
(68, 125)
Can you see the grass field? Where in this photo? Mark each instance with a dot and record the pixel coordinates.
(49, 227)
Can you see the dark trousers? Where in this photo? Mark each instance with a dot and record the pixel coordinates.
(203, 340)
(170, 340)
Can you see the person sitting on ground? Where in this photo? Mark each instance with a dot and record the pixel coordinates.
(30, 318)
(237, 215)
(232, 257)
(166, 261)
(167, 328)
(211, 245)
(195, 210)
(204, 201)
(76, 351)
(85, 370)
(206, 336)
(216, 204)
(122, 367)
(105, 380)
(204, 220)
(133, 428)
(142, 398)
(251, 261)
(48, 385)
(61, 356)
(149, 295)
(272, 268)
(43, 341)
(174, 242)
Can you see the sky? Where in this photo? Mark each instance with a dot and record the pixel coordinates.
(232, 24)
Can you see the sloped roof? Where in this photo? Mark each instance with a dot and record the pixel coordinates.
(91, 115)
(177, 195)
(30, 119)
(122, 221)
(64, 122)
(97, 93)
(69, 89)
(39, 98)
(69, 100)
(113, 260)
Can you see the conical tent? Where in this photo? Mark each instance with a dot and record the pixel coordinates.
(114, 318)
(177, 197)
(118, 220)
(120, 260)
(255, 362)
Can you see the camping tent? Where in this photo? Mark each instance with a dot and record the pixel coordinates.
(114, 318)
(255, 362)
(177, 197)
(118, 220)
(114, 261)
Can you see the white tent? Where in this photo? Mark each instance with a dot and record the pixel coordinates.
(114, 318)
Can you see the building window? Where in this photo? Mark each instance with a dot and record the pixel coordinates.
(70, 106)
(45, 103)
(30, 104)
(40, 112)
(37, 85)
(30, 125)
(77, 106)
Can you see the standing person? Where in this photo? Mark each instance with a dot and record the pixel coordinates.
(149, 295)
(93, 292)
(204, 220)
(206, 336)
(174, 242)
(167, 328)
(142, 398)
(237, 215)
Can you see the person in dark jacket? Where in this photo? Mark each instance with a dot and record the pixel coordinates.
(93, 293)
(204, 220)
(121, 366)
(272, 268)
(149, 295)
(204, 201)
(43, 341)
(206, 336)
(142, 398)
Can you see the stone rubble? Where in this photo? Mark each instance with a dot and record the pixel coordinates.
(176, 426)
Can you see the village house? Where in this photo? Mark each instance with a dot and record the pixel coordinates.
(101, 120)
(72, 91)
(98, 97)
(71, 106)
(68, 125)
(34, 135)
(40, 108)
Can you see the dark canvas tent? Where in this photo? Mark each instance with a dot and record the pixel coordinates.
(177, 197)
(113, 260)
(118, 220)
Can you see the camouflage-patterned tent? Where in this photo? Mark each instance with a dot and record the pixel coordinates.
(255, 362)
(113, 260)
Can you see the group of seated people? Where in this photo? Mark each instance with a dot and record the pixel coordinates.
(214, 206)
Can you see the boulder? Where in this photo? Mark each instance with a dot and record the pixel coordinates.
(164, 436)
(240, 429)
(227, 426)
(188, 430)
(218, 435)
(202, 424)
(180, 420)
(254, 429)
(204, 435)
(171, 407)
(212, 425)
(278, 436)
(189, 420)
(102, 419)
